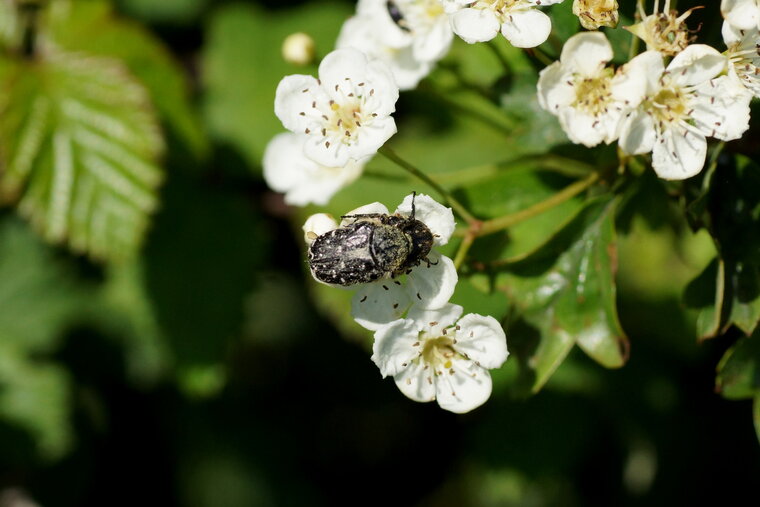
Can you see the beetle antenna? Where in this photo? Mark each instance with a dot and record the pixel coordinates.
(414, 194)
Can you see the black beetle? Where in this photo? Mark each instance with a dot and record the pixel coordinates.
(396, 15)
(373, 246)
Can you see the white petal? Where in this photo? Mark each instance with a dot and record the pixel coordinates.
(371, 136)
(637, 133)
(482, 339)
(379, 303)
(586, 53)
(722, 110)
(637, 78)
(416, 383)
(435, 320)
(730, 33)
(374, 208)
(554, 91)
(582, 128)
(432, 286)
(526, 28)
(380, 79)
(468, 387)
(327, 152)
(438, 218)
(743, 14)
(342, 64)
(291, 100)
(433, 45)
(475, 25)
(394, 346)
(284, 162)
(316, 225)
(696, 64)
(288, 170)
(680, 156)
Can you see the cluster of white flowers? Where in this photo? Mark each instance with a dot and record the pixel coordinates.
(340, 120)
(650, 107)
(417, 339)
(665, 101)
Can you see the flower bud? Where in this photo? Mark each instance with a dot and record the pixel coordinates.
(298, 49)
(595, 13)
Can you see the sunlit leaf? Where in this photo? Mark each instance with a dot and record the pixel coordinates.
(93, 28)
(566, 289)
(79, 147)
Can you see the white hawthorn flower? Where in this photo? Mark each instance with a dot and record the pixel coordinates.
(744, 56)
(429, 285)
(431, 356)
(345, 114)
(362, 33)
(519, 21)
(303, 181)
(423, 25)
(742, 14)
(588, 97)
(684, 104)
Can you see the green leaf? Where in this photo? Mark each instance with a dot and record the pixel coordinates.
(92, 28)
(37, 298)
(35, 395)
(739, 369)
(79, 144)
(242, 65)
(735, 229)
(566, 289)
(37, 302)
(705, 294)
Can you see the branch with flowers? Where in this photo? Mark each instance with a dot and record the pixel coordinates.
(636, 104)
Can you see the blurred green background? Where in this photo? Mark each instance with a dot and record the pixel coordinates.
(201, 372)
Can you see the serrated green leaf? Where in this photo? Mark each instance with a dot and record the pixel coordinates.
(92, 28)
(739, 369)
(79, 144)
(566, 289)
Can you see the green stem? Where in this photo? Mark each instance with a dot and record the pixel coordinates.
(450, 200)
(506, 221)
(464, 247)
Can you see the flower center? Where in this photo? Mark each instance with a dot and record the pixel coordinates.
(593, 93)
(668, 106)
(439, 353)
(745, 59)
(500, 7)
(345, 118)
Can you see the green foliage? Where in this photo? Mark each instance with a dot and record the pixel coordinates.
(79, 148)
(37, 301)
(566, 290)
